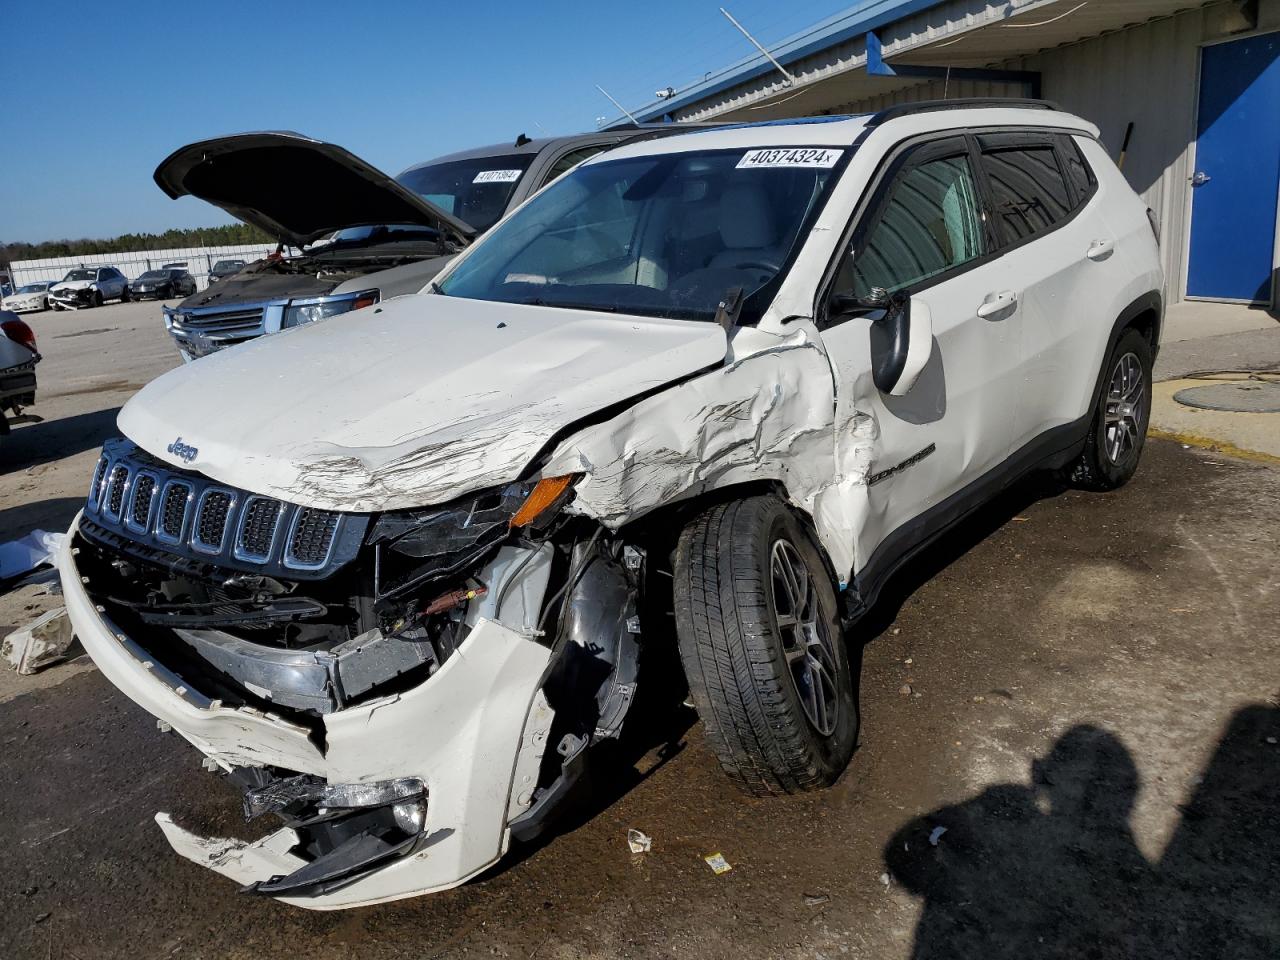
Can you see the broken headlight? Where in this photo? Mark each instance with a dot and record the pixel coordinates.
(417, 546)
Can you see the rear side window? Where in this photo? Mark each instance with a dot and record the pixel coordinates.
(1028, 188)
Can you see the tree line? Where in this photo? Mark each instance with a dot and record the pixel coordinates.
(228, 235)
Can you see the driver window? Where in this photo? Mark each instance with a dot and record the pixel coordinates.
(929, 224)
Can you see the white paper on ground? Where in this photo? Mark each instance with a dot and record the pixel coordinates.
(36, 548)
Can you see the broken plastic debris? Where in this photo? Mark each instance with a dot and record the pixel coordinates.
(42, 643)
(884, 878)
(717, 863)
(816, 899)
(639, 842)
(37, 548)
(935, 835)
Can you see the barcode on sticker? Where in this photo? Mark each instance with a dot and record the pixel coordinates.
(819, 158)
(497, 176)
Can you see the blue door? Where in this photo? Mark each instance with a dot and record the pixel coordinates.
(1237, 173)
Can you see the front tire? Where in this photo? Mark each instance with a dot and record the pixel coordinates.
(1119, 428)
(760, 639)
(97, 298)
(124, 295)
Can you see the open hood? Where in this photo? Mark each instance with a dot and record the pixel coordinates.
(295, 188)
(410, 403)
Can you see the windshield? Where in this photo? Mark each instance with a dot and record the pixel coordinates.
(385, 233)
(33, 288)
(475, 190)
(80, 275)
(155, 275)
(666, 236)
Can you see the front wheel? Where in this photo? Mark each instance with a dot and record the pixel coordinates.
(124, 295)
(1119, 428)
(97, 298)
(760, 639)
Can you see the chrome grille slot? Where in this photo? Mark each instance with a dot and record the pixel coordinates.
(119, 479)
(257, 533)
(173, 511)
(99, 478)
(138, 515)
(209, 532)
(310, 538)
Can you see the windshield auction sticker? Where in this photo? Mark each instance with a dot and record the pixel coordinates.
(497, 176)
(821, 158)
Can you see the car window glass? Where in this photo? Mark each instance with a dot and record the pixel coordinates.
(1078, 169)
(662, 235)
(572, 159)
(929, 224)
(1028, 189)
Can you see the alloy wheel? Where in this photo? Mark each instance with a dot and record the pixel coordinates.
(1122, 420)
(807, 644)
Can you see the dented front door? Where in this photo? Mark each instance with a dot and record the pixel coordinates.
(923, 236)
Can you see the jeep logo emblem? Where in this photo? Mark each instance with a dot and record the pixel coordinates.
(182, 451)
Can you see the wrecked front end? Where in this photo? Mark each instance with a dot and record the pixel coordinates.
(402, 692)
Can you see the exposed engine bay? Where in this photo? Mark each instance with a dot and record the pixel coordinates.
(309, 616)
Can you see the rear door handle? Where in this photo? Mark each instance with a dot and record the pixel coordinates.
(997, 306)
(1101, 249)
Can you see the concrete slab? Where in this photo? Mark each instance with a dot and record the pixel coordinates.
(1250, 350)
(1194, 320)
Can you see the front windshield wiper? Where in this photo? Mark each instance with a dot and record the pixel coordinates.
(565, 305)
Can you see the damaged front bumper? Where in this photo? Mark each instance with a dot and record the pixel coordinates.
(472, 736)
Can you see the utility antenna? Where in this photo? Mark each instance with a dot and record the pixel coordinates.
(768, 56)
(630, 116)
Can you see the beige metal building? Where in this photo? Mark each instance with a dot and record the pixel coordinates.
(1180, 78)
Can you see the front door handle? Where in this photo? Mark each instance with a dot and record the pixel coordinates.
(997, 306)
(1101, 249)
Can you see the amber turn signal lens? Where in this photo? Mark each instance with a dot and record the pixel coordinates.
(545, 495)
(364, 302)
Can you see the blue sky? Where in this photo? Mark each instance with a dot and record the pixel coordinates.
(97, 96)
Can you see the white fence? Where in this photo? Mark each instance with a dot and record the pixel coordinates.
(198, 260)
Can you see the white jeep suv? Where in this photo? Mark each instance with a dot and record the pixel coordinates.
(398, 576)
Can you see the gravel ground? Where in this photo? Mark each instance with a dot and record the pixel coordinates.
(1081, 689)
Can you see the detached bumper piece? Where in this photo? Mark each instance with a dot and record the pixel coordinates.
(345, 830)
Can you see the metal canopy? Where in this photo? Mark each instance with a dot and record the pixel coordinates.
(829, 61)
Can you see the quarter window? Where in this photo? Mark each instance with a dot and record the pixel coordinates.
(929, 224)
(1079, 171)
(1028, 189)
(572, 159)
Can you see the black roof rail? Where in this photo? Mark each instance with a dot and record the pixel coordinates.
(930, 106)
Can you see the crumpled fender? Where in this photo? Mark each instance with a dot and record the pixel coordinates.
(768, 414)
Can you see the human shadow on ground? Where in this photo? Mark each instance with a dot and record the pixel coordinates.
(1051, 869)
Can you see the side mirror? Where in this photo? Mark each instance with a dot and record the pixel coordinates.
(901, 344)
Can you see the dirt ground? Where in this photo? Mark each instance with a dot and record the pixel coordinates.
(1081, 689)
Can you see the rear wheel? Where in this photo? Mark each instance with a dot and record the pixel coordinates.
(762, 648)
(1119, 429)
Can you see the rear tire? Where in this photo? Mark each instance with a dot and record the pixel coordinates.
(1119, 428)
(768, 673)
